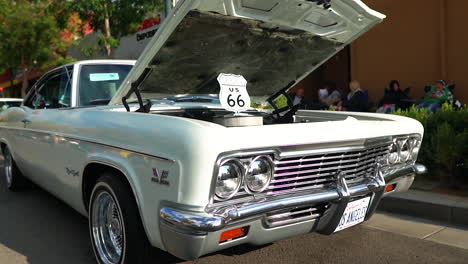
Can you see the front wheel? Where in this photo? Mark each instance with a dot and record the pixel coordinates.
(116, 230)
(14, 180)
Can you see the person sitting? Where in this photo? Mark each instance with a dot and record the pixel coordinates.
(330, 94)
(436, 96)
(297, 97)
(392, 98)
(356, 101)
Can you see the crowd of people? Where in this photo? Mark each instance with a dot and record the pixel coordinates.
(357, 99)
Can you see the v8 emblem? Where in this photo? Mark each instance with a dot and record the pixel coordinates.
(160, 178)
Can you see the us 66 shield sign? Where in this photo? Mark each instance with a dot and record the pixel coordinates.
(233, 93)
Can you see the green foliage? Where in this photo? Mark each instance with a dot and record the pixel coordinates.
(332, 108)
(123, 16)
(88, 51)
(281, 102)
(445, 145)
(30, 35)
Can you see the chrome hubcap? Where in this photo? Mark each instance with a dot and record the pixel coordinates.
(107, 228)
(8, 163)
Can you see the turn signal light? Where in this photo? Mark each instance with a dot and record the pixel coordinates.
(234, 233)
(390, 188)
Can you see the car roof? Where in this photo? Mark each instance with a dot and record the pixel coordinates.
(87, 62)
(11, 100)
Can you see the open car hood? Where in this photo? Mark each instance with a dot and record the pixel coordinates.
(272, 43)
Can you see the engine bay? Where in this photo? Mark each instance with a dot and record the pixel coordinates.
(258, 118)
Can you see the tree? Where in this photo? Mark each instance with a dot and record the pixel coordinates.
(114, 18)
(30, 37)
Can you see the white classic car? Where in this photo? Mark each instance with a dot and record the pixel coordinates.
(166, 164)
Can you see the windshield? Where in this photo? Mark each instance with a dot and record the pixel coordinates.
(206, 44)
(98, 83)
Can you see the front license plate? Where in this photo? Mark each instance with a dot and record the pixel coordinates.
(354, 213)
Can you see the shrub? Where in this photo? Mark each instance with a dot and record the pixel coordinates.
(445, 145)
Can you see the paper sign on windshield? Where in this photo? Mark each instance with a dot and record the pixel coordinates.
(233, 93)
(100, 77)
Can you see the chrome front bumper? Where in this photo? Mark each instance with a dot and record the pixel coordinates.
(195, 225)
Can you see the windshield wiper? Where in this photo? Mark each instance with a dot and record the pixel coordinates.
(144, 108)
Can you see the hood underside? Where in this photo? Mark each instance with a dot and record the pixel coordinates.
(207, 44)
(271, 43)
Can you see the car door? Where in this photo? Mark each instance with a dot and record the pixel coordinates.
(43, 122)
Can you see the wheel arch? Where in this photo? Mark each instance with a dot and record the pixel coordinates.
(3, 144)
(91, 172)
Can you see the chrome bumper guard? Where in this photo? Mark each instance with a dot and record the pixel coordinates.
(339, 197)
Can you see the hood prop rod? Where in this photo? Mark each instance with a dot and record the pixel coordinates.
(283, 92)
(144, 108)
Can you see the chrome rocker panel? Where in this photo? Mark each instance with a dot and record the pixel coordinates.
(184, 232)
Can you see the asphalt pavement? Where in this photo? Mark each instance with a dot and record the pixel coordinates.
(35, 227)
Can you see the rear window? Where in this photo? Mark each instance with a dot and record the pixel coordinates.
(97, 84)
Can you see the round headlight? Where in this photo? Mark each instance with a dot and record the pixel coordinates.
(393, 155)
(404, 150)
(414, 143)
(229, 179)
(259, 174)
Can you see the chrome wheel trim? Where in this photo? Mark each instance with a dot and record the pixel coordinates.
(8, 165)
(108, 231)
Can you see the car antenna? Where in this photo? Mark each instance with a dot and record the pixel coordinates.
(144, 108)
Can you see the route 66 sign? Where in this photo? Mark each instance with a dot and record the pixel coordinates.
(233, 93)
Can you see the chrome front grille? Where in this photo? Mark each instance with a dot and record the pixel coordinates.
(294, 215)
(294, 174)
(307, 172)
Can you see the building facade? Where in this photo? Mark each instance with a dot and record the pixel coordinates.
(419, 42)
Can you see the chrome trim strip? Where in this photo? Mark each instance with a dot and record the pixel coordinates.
(420, 169)
(289, 213)
(338, 155)
(234, 213)
(69, 137)
(396, 173)
(187, 220)
(361, 163)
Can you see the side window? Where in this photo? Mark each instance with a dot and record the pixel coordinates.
(54, 92)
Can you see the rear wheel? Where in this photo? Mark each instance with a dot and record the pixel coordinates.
(14, 180)
(116, 230)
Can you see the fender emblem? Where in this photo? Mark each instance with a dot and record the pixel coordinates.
(160, 178)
